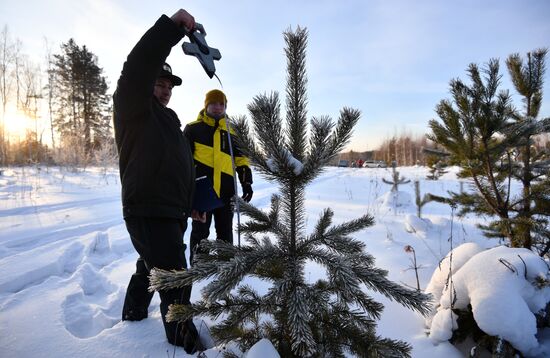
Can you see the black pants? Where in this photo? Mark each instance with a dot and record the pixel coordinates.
(159, 242)
(223, 222)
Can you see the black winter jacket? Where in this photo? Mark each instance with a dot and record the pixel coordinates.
(156, 164)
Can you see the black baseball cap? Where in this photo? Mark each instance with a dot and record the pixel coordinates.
(166, 72)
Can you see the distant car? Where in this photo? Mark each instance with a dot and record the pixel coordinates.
(343, 163)
(374, 164)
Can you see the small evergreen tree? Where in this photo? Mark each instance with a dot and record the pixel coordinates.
(396, 179)
(491, 142)
(325, 318)
(436, 167)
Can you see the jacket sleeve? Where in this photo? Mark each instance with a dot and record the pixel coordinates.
(134, 91)
(243, 166)
(187, 132)
(245, 174)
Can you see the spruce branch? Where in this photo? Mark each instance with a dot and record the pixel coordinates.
(351, 226)
(324, 222)
(166, 280)
(231, 273)
(296, 94)
(376, 279)
(336, 238)
(344, 129)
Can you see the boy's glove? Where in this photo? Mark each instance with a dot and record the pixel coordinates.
(247, 192)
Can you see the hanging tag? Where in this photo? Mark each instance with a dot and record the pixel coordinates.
(200, 49)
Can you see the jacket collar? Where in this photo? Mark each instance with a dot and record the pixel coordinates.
(173, 116)
(203, 117)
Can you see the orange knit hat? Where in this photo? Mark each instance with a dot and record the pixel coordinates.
(215, 95)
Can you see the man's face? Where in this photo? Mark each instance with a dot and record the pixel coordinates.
(163, 90)
(215, 109)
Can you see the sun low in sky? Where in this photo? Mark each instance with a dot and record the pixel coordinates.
(17, 123)
(392, 60)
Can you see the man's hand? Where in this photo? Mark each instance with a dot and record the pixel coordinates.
(247, 192)
(198, 216)
(184, 19)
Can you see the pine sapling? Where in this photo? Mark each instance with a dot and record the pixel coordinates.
(436, 170)
(415, 267)
(330, 317)
(492, 143)
(396, 179)
(420, 202)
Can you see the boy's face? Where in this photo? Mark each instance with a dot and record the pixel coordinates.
(215, 109)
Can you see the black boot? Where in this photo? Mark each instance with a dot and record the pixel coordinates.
(191, 339)
(187, 337)
(138, 297)
(179, 334)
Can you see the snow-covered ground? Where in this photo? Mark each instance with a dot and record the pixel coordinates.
(65, 258)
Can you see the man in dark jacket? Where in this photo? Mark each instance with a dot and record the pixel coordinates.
(156, 171)
(212, 153)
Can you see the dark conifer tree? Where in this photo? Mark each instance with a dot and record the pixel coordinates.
(79, 91)
(323, 318)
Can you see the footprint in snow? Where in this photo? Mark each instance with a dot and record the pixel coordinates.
(99, 252)
(94, 307)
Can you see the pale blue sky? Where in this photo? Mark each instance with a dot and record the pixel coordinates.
(391, 59)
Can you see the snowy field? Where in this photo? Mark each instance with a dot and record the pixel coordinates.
(65, 257)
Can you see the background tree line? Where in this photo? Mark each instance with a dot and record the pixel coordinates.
(70, 87)
(408, 149)
(405, 149)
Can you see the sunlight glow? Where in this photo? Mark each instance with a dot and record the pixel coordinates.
(17, 123)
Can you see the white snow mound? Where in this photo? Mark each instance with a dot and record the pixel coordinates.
(500, 285)
(397, 199)
(262, 349)
(416, 225)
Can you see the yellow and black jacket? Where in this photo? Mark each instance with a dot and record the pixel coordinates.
(210, 146)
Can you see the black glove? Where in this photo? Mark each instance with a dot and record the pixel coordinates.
(247, 192)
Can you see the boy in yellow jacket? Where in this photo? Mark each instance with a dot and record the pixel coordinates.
(210, 144)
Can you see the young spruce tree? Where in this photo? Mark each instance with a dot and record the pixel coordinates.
(325, 318)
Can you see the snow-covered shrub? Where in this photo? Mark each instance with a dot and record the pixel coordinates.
(502, 289)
